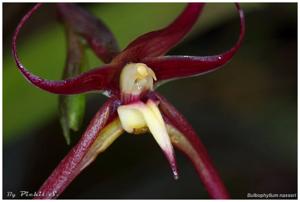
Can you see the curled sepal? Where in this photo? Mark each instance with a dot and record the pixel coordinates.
(99, 37)
(72, 107)
(104, 128)
(185, 139)
(93, 80)
(173, 67)
(135, 117)
(159, 42)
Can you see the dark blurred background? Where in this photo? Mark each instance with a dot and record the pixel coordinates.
(245, 113)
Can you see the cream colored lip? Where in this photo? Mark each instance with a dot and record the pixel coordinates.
(139, 115)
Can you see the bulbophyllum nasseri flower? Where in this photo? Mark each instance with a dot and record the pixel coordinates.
(129, 79)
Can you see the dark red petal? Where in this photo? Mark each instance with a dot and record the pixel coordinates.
(202, 162)
(159, 42)
(96, 79)
(71, 165)
(100, 38)
(172, 67)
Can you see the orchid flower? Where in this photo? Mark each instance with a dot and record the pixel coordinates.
(129, 79)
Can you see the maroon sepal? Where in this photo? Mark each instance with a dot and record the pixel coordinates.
(172, 67)
(159, 42)
(73, 163)
(99, 37)
(201, 161)
(93, 80)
